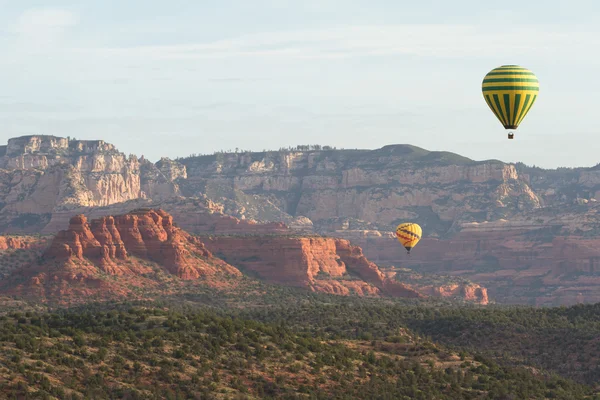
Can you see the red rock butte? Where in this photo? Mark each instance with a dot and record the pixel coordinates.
(143, 233)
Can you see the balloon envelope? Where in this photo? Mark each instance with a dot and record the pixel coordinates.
(409, 234)
(510, 91)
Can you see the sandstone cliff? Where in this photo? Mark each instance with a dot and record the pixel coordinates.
(18, 242)
(322, 264)
(45, 175)
(381, 187)
(46, 172)
(298, 261)
(196, 215)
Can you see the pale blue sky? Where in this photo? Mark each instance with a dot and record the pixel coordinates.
(170, 78)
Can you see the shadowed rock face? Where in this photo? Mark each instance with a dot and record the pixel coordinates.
(517, 266)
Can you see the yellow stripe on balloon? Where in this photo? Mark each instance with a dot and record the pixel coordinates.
(409, 234)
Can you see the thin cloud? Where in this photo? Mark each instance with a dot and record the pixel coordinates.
(26, 107)
(41, 26)
(236, 80)
(35, 21)
(452, 41)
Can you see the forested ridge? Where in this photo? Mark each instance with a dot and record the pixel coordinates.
(309, 346)
(563, 340)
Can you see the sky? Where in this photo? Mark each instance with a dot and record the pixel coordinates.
(175, 78)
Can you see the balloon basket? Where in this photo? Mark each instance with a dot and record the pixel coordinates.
(511, 135)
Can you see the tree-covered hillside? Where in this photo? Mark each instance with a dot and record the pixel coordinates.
(322, 348)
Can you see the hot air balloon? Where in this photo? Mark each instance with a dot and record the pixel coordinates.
(408, 235)
(510, 91)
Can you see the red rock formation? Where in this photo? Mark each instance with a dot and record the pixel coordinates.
(144, 233)
(71, 281)
(474, 293)
(222, 223)
(122, 245)
(289, 260)
(359, 264)
(322, 264)
(11, 242)
(370, 272)
(354, 257)
(345, 287)
(75, 265)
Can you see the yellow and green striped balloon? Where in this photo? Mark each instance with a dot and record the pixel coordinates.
(510, 91)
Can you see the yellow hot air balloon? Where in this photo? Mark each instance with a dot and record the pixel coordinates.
(409, 234)
(510, 91)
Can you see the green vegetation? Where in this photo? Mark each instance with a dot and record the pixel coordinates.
(267, 341)
(407, 153)
(137, 352)
(562, 340)
(300, 147)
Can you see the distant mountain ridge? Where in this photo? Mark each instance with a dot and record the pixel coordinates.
(44, 175)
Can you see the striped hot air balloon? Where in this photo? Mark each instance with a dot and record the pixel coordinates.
(510, 91)
(409, 234)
